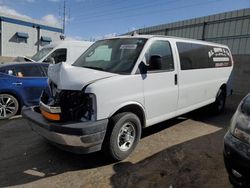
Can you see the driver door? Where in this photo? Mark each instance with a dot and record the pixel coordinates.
(160, 83)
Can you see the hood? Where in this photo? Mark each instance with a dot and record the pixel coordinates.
(69, 77)
(23, 59)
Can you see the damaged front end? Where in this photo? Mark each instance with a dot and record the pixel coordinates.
(67, 114)
(67, 105)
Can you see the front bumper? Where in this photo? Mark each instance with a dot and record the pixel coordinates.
(77, 137)
(237, 160)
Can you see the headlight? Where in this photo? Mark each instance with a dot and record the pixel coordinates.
(240, 123)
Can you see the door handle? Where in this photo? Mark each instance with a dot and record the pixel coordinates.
(175, 79)
(17, 83)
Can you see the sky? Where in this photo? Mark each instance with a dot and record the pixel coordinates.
(95, 19)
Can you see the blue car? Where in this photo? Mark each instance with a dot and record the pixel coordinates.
(21, 84)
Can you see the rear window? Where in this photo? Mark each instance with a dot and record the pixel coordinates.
(198, 56)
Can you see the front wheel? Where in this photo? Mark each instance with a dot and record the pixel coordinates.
(8, 106)
(123, 136)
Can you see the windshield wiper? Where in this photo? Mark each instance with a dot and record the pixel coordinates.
(95, 68)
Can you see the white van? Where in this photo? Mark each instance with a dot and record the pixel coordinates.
(61, 51)
(123, 84)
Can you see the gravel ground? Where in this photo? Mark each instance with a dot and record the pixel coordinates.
(182, 152)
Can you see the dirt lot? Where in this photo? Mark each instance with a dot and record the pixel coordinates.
(182, 152)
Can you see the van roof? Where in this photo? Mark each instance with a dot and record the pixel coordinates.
(67, 43)
(170, 37)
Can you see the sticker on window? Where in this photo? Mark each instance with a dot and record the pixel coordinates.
(219, 54)
(220, 59)
(128, 46)
(224, 64)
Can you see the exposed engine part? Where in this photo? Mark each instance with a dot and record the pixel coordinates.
(75, 105)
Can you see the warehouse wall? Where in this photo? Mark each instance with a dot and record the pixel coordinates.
(10, 45)
(55, 36)
(230, 28)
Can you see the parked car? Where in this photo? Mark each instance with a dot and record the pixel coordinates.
(21, 84)
(62, 51)
(123, 84)
(237, 146)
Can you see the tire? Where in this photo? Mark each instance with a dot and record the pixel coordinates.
(9, 106)
(123, 135)
(219, 104)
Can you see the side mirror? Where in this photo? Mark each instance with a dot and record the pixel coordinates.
(50, 60)
(155, 62)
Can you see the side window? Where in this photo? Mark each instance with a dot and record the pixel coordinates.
(8, 70)
(192, 56)
(2, 70)
(28, 71)
(198, 56)
(59, 55)
(163, 50)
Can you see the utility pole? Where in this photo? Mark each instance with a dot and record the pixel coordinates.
(38, 37)
(64, 15)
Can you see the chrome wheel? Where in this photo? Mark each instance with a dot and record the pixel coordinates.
(126, 136)
(8, 106)
(123, 135)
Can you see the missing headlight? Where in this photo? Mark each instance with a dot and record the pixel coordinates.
(76, 105)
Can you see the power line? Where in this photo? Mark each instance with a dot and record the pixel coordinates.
(134, 6)
(126, 10)
(111, 2)
(146, 13)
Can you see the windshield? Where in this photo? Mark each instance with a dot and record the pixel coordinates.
(41, 54)
(112, 55)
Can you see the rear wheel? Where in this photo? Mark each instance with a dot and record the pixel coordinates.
(123, 136)
(219, 104)
(8, 106)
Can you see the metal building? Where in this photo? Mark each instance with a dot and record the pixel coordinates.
(230, 28)
(24, 37)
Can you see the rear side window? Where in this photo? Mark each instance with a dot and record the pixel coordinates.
(162, 49)
(198, 56)
(28, 71)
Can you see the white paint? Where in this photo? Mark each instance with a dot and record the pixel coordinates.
(68, 77)
(155, 93)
